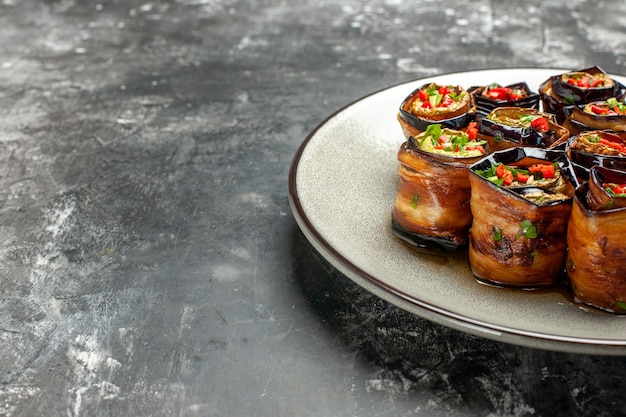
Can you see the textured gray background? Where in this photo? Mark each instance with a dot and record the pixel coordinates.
(149, 261)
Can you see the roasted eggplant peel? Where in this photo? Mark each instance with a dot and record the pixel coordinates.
(507, 127)
(521, 200)
(578, 87)
(596, 260)
(609, 114)
(604, 148)
(448, 105)
(495, 95)
(432, 201)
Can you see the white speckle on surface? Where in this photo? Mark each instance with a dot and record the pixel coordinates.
(58, 216)
(413, 66)
(255, 199)
(226, 273)
(91, 365)
(125, 122)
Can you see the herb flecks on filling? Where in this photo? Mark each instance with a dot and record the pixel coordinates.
(535, 121)
(610, 107)
(452, 143)
(615, 190)
(585, 80)
(538, 182)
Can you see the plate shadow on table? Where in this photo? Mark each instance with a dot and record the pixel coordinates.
(461, 370)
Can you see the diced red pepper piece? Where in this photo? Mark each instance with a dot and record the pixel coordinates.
(499, 93)
(500, 170)
(443, 90)
(540, 124)
(616, 188)
(507, 178)
(422, 95)
(505, 174)
(613, 145)
(472, 130)
(521, 177)
(475, 148)
(546, 170)
(598, 110)
(447, 101)
(427, 105)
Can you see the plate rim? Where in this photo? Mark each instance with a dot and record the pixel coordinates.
(521, 337)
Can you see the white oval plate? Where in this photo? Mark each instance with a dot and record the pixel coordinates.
(342, 187)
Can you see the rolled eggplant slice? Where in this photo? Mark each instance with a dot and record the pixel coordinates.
(598, 115)
(521, 201)
(507, 127)
(606, 189)
(495, 95)
(577, 87)
(596, 260)
(450, 106)
(432, 201)
(604, 148)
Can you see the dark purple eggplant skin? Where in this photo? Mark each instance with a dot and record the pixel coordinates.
(597, 197)
(523, 136)
(484, 105)
(520, 135)
(583, 161)
(421, 124)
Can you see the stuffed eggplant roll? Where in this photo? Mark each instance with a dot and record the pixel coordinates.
(577, 87)
(495, 95)
(433, 194)
(449, 105)
(507, 127)
(596, 260)
(597, 147)
(598, 115)
(521, 201)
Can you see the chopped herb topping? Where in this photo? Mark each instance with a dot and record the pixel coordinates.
(435, 96)
(496, 233)
(449, 142)
(502, 174)
(415, 201)
(610, 107)
(528, 230)
(615, 190)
